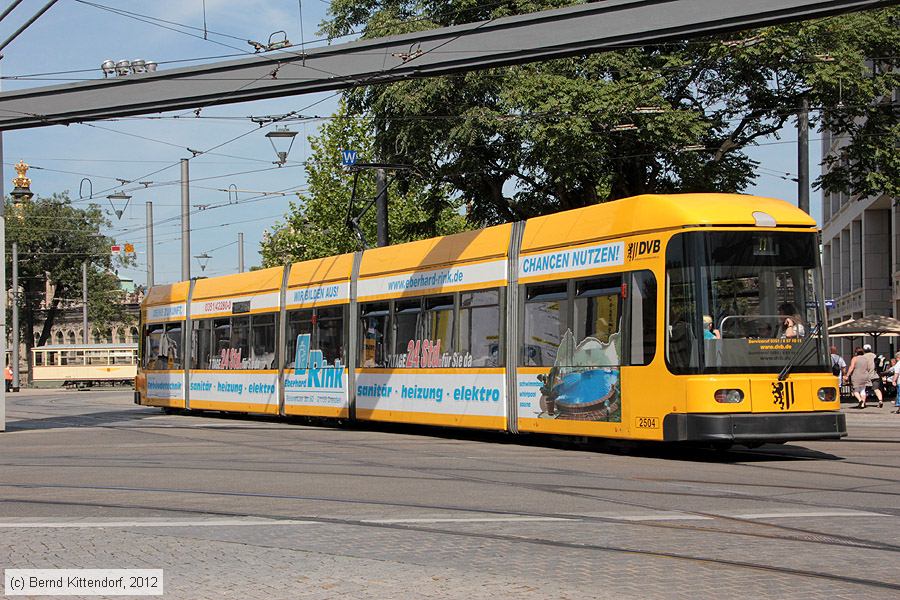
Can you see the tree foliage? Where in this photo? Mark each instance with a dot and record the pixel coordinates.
(676, 117)
(315, 225)
(54, 238)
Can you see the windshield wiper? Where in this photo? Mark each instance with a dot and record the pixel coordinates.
(786, 371)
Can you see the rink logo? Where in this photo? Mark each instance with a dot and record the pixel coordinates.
(312, 369)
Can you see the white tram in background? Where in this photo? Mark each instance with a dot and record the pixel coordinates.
(84, 365)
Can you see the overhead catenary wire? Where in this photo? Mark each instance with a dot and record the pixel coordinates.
(229, 141)
(294, 190)
(353, 33)
(25, 25)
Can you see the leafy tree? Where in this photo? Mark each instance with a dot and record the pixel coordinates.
(675, 117)
(315, 226)
(54, 238)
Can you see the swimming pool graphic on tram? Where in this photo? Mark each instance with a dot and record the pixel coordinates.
(584, 383)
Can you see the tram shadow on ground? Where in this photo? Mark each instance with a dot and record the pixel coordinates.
(692, 452)
(88, 419)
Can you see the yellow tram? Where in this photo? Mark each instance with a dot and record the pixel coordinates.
(673, 318)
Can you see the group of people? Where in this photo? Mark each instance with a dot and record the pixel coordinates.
(867, 371)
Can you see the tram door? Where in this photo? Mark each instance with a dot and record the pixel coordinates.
(569, 378)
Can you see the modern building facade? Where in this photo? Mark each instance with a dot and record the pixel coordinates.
(860, 255)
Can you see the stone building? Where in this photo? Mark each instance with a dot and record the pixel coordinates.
(860, 255)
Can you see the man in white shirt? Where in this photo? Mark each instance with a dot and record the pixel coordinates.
(895, 375)
(838, 366)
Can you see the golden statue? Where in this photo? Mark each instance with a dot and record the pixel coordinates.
(21, 181)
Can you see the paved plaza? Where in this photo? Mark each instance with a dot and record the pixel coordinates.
(257, 508)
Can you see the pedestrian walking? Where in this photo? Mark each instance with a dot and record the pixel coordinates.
(838, 366)
(858, 376)
(895, 376)
(8, 375)
(874, 375)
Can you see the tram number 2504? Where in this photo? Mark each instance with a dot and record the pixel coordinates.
(648, 422)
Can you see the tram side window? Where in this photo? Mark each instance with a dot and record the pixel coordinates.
(262, 341)
(203, 344)
(598, 312)
(39, 359)
(240, 337)
(546, 321)
(299, 322)
(121, 357)
(97, 357)
(374, 339)
(153, 335)
(173, 345)
(437, 322)
(330, 333)
(479, 327)
(682, 351)
(407, 324)
(642, 297)
(221, 331)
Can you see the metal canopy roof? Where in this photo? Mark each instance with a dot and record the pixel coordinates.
(524, 38)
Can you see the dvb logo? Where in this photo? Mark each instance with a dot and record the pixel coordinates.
(644, 248)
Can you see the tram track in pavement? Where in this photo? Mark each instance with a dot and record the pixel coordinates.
(809, 536)
(515, 539)
(821, 538)
(805, 535)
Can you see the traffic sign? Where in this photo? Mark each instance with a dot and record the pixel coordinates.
(348, 157)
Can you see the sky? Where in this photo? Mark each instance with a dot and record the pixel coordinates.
(77, 35)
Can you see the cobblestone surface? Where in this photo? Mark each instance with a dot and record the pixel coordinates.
(235, 508)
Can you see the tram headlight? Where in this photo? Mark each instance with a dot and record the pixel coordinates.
(729, 396)
(827, 394)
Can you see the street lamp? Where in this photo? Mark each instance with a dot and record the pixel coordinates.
(285, 137)
(119, 196)
(21, 193)
(203, 260)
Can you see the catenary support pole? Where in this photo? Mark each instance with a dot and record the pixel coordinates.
(149, 245)
(2, 284)
(85, 337)
(240, 252)
(15, 317)
(803, 156)
(381, 209)
(185, 221)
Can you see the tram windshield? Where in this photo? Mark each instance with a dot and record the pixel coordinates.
(742, 302)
